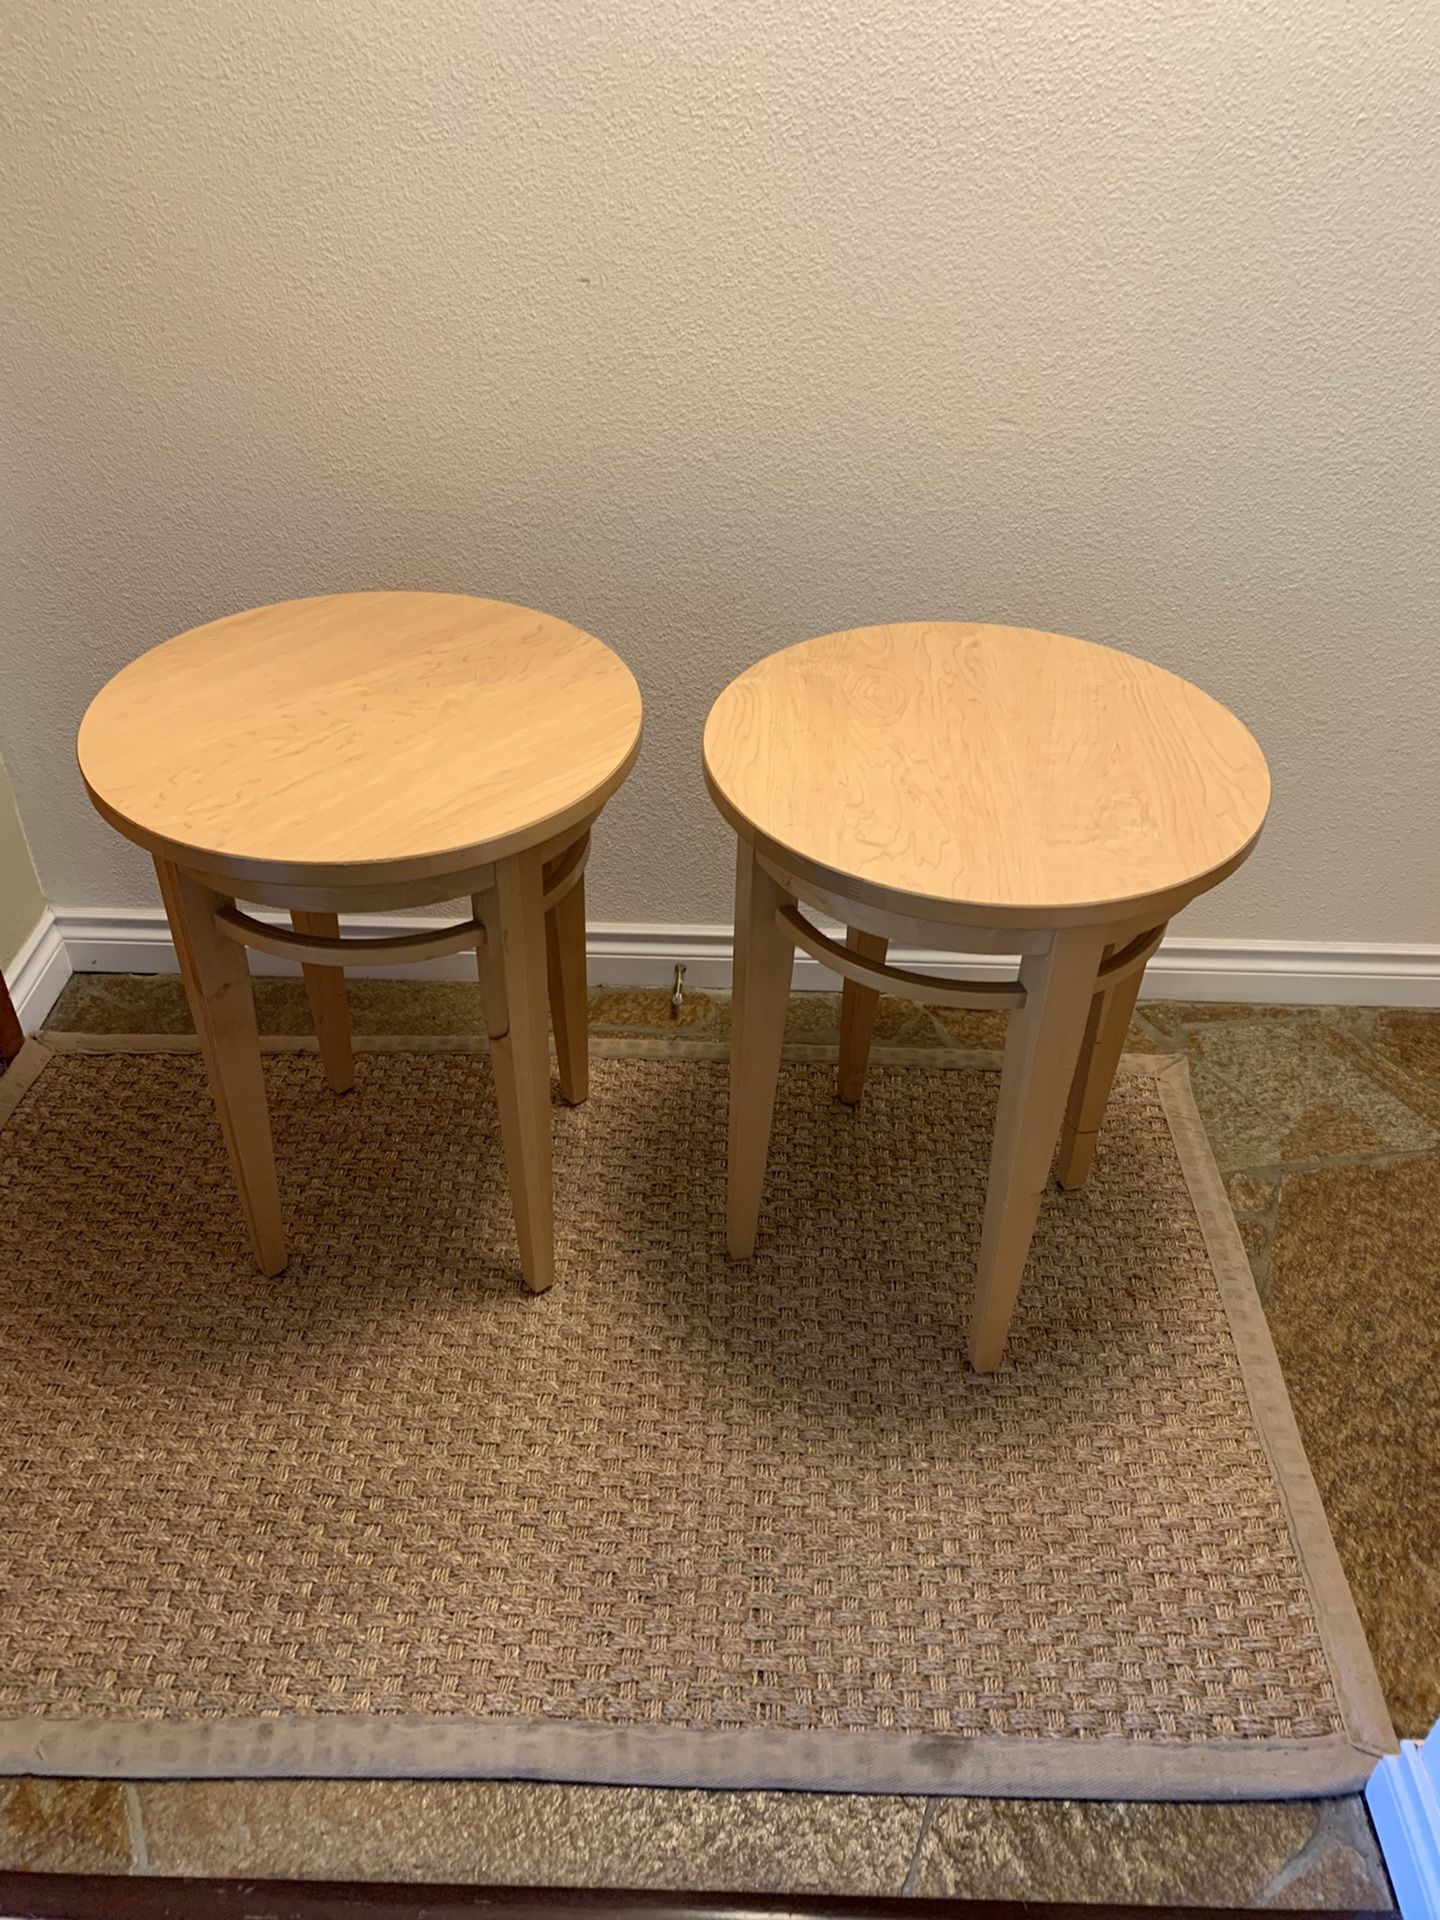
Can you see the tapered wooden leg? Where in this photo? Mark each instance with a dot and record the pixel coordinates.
(857, 1017)
(1105, 1031)
(764, 962)
(329, 1004)
(216, 973)
(565, 977)
(512, 979)
(1041, 1048)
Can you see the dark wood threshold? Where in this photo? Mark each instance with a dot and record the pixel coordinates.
(89, 1896)
(11, 1036)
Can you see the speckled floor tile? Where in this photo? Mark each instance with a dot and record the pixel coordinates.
(1139, 1853)
(1340, 1868)
(1353, 1296)
(1175, 1018)
(1141, 1037)
(815, 1017)
(1251, 1192)
(532, 1834)
(1411, 1040)
(1276, 1092)
(971, 1028)
(64, 1826)
(1253, 1199)
(647, 1009)
(139, 1003)
(155, 1003)
(1255, 1238)
(120, 1003)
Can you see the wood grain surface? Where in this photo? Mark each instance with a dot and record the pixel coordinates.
(1022, 777)
(386, 734)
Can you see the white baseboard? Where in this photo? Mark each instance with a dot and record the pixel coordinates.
(39, 971)
(1404, 1800)
(1267, 972)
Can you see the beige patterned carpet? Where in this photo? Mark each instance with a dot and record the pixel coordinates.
(679, 1521)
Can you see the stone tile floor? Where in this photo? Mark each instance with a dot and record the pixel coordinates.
(1326, 1124)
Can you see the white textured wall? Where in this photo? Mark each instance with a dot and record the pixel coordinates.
(21, 901)
(711, 326)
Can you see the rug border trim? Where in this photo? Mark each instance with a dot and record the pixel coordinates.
(419, 1746)
(827, 1760)
(1362, 1702)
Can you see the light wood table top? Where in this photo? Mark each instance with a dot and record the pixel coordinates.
(1035, 779)
(394, 734)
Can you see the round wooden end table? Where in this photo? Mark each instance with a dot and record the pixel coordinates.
(974, 789)
(364, 751)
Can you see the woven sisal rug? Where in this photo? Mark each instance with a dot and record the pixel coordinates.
(679, 1521)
